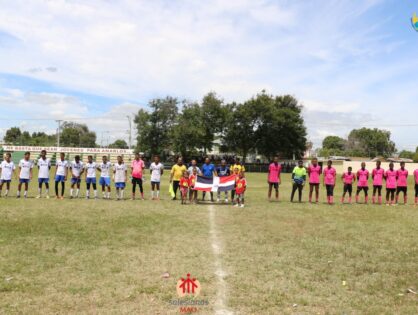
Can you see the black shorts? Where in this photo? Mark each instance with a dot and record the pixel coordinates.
(330, 190)
(364, 188)
(348, 188)
(416, 190)
(136, 181)
(391, 190)
(275, 185)
(402, 189)
(314, 184)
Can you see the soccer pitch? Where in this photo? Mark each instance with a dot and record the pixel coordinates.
(105, 256)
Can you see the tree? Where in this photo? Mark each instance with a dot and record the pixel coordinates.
(213, 117)
(407, 154)
(77, 135)
(282, 130)
(119, 144)
(239, 136)
(367, 142)
(188, 134)
(271, 125)
(155, 128)
(13, 136)
(333, 143)
(42, 139)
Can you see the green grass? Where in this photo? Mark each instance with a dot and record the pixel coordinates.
(87, 256)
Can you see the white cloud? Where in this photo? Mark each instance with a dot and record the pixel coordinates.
(39, 111)
(134, 48)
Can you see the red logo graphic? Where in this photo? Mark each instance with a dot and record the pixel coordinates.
(188, 286)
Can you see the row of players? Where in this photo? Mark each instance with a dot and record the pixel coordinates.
(76, 169)
(396, 181)
(181, 178)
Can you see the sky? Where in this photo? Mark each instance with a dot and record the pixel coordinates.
(350, 63)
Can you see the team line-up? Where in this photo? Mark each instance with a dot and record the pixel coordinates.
(183, 179)
(396, 182)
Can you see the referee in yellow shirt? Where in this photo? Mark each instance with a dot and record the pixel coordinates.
(176, 173)
(237, 165)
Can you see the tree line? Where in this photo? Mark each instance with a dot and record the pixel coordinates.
(363, 142)
(264, 124)
(71, 135)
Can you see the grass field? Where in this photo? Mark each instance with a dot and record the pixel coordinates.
(107, 257)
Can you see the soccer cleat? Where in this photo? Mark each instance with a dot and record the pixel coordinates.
(226, 199)
(47, 197)
(242, 206)
(38, 196)
(235, 205)
(217, 200)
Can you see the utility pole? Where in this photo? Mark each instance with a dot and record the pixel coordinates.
(58, 132)
(130, 131)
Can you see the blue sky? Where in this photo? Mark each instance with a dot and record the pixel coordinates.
(350, 63)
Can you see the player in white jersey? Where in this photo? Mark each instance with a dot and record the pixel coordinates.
(91, 168)
(77, 170)
(25, 174)
(104, 169)
(61, 172)
(7, 169)
(156, 170)
(120, 174)
(44, 165)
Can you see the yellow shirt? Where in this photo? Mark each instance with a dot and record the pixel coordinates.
(177, 171)
(240, 168)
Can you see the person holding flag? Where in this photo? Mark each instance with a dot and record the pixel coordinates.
(208, 171)
(222, 171)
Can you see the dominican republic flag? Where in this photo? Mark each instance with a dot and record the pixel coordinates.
(215, 184)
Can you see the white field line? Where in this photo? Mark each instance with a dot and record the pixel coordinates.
(221, 294)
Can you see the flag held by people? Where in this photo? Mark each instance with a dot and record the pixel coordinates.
(215, 184)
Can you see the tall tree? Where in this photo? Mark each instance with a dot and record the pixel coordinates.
(213, 117)
(240, 133)
(77, 135)
(281, 128)
(188, 134)
(333, 143)
(155, 128)
(13, 136)
(368, 142)
(267, 124)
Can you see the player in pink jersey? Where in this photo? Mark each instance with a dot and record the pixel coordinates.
(390, 177)
(362, 183)
(402, 181)
(329, 181)
(314, 172)
(348, 179)
(377, 175)
(273, 177)
(416, 186)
